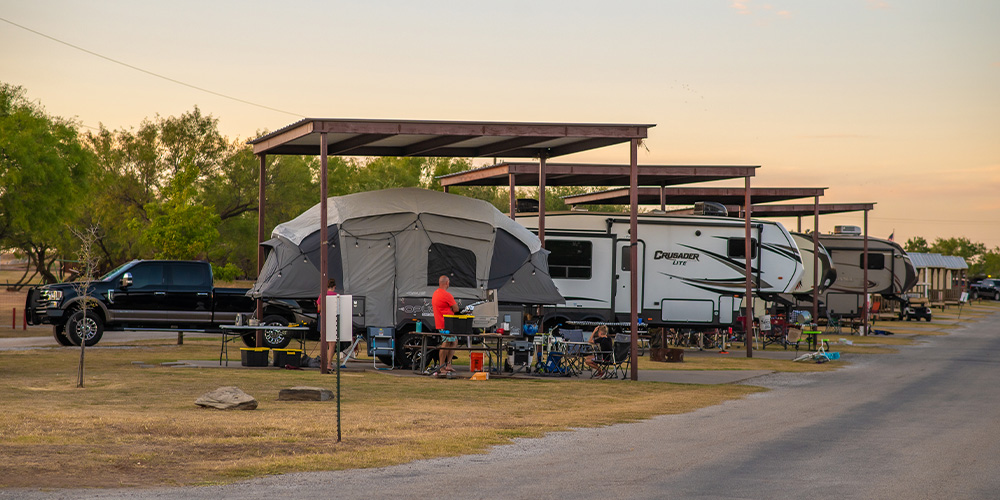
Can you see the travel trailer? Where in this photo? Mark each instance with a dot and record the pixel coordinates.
(691, 267)
(801, 296)
(890, 271)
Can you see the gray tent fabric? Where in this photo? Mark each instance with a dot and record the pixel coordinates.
(386, 244)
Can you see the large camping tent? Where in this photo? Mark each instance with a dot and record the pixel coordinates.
(394, 243)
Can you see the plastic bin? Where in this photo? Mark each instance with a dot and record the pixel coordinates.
(254, 356)
(476, 361)
(461, 323)
(284, 357)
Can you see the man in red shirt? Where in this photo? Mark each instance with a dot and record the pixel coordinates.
(444, 303)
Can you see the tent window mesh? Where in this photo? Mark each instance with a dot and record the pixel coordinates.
(458, 264)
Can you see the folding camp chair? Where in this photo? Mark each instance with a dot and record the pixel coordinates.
(833, 322)
(619, 359)
(575, 350)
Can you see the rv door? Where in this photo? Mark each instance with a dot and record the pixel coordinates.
(623, 275)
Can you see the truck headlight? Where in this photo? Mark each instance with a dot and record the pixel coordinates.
(51, 297)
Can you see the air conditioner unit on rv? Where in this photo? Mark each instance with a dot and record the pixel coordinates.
(854, 230)
(710, 208)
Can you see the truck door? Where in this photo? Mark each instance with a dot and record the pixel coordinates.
(188, 296)
(142, 300)
(623, 274)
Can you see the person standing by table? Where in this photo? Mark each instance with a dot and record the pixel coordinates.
(332, 348)
(602, 346)
(443, 302)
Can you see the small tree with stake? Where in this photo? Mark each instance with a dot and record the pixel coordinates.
(88, 265)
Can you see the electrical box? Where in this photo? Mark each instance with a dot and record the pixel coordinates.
(340, 325)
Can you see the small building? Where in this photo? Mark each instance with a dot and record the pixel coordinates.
(944, 275)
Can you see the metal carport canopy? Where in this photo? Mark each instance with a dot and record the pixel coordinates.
(429, 138)
(691, 195)
(633, 175)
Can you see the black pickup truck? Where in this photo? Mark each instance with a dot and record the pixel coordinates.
(988, 288)
(138, 295)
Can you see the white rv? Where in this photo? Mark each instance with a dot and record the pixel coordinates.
(890, 271)
(691, 267)
(801, 296)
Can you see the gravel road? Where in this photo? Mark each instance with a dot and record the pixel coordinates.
(919, 424)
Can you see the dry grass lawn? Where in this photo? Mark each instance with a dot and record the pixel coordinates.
(135, 426)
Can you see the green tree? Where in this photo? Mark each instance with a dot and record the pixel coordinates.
(961, 247)
(916, 244)
(44, 174)
(179, 227)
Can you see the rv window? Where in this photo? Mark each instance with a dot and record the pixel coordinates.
(459, 264)
(570, 259)
(875, 260)
(737, 248)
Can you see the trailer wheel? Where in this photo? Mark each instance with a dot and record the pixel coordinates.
(59, 333)
(89, 328)
(408, 352)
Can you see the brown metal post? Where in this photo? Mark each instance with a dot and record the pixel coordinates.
(541, 200)
(633, 195)
(798, 227)
(261, 176)
(324, 359)
(864, 307)
(748, 268)
(663, 196)
(815, 258)
(513, 196)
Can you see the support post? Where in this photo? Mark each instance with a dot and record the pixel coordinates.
(864, 302)
(541, 200)
(748, 267)
(324, 360)
(633, 196)
(513, 196)
(261, 207)
(663, 196)
(815, 258)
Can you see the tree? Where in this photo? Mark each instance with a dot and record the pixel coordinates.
(88, 266)
(916, 244)
(961, 247)
(44, 175)
(178, 227)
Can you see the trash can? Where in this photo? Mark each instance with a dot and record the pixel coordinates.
(476, 361)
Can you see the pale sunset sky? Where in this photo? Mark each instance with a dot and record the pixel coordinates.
(889, 101)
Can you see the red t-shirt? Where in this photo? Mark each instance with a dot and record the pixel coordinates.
(442, 303)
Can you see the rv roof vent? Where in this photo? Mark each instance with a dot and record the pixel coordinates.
(855, 230)
(710, 208)
(527, 205)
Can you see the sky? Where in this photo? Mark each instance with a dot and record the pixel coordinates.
(887, 101)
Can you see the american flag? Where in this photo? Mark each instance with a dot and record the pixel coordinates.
(891, 235)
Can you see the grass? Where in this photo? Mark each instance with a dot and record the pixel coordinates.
(135, 426)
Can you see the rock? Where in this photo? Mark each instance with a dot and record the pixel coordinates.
(304, 393)
(227, 398)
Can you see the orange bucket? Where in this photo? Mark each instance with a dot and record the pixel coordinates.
(476, 361)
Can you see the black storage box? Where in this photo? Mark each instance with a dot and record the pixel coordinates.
(254, 356)
(458, 323)
(284, 357)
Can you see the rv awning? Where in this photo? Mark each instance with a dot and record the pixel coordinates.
(443, 138)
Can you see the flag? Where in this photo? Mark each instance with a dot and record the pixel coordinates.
(892, 234)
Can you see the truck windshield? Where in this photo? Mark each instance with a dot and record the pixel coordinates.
(108, 276)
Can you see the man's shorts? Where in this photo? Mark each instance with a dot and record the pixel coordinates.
(449, 338)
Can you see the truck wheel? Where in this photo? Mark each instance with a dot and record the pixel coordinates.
(89, 328)
(273, 339)
(59, 332)
(996, 295)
